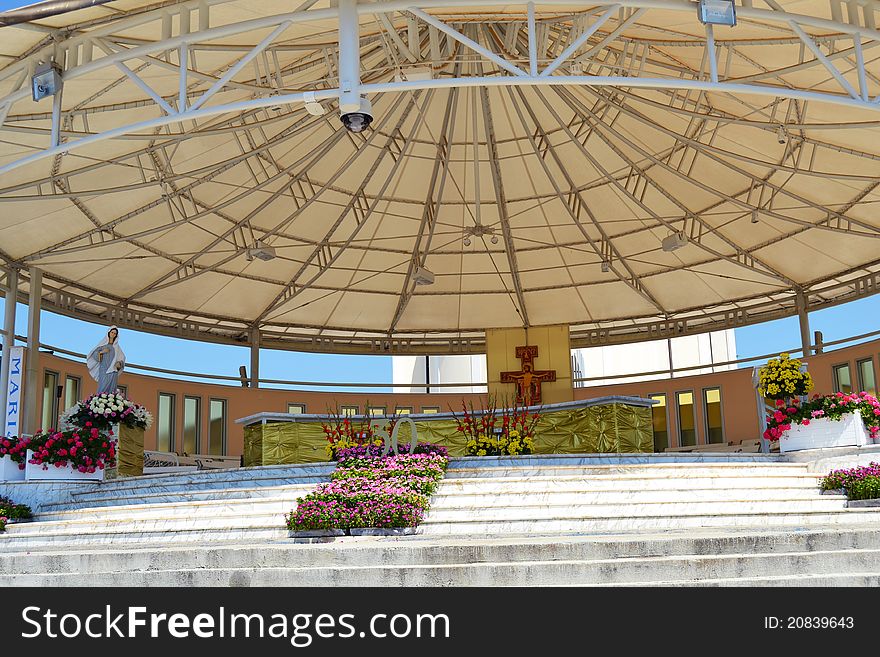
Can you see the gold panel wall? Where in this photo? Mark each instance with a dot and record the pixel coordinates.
(607, 428)
(131, 451)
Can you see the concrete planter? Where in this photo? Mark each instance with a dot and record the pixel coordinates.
(316, 536)
(51, 473)
(386, 531)
(9, 470)
(863, 504)
(821, 433)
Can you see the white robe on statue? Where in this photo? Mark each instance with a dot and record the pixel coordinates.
(106, 370)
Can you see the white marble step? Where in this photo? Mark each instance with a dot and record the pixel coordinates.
(590, 525)
(870, 578)
(510, 485)
(451, 506)
(480, 501)
(210, 478)
(208, 495)
(362, 551)
(490, 486)
(667, 470)
(546, 460)
(503, 511)
(681, 569)
(269, 515)
(231, 532)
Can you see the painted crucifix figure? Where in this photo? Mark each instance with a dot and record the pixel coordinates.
(528, 381)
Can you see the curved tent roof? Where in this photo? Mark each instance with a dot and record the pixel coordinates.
(533, 199)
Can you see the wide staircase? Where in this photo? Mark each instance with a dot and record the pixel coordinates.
(729, 519)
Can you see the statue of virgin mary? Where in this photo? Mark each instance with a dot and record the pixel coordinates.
(106, 361)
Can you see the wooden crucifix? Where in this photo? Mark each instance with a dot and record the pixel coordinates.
(528, 381)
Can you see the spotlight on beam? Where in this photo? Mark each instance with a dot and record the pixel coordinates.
(781, 135)
(754, 216)
(717, 12)
(261, 251)
(606, 266)
(422, 276)
(46, 81)
(674, 241)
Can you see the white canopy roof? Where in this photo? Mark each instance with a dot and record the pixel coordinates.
(532, 199)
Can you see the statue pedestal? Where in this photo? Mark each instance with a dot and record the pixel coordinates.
(130, 451)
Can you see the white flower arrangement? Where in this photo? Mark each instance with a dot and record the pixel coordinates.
(106, 409)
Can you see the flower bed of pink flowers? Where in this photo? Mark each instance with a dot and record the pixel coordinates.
(85, 450)
(368, 490)
(831, 407)
(860, 483)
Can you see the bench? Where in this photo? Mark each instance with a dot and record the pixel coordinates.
(214, 462)
(167, 462)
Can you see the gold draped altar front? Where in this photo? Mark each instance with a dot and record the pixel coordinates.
(615, 425)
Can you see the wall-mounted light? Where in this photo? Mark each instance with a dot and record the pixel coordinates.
(674, 241)
(717, 12)
(261, 251)
(781, 135)
(46, 81)
(423, 276)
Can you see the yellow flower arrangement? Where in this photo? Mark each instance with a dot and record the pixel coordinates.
(510, 445)
(782, 377)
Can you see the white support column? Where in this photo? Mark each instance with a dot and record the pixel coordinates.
(32, 370)
(533, 42)
(349, 57)
(255, 358)
(56, 118)
(184, 75)
(8, 340)
(711, 54)
(804, 321)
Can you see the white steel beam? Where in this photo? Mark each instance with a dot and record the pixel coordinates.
(349, 57)
(240, 64)
(825, 61)
(533, 42)
(577, 43)
(470, 43)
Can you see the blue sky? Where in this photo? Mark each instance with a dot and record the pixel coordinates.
(840, 322)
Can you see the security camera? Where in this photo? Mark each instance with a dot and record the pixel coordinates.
(360, 120)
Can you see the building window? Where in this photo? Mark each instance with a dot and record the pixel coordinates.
(376, 411)
(867, 381)
(712, 414)
(687, 425)
(403, 410)
(660, 420)
(71, 391)
(165, 423)
(296, 409)
(192, 424)
(348, 411)
(842, 378)
(217, 427)
(430, 410)
(50, 401)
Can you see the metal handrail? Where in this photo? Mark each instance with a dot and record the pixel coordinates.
(469, 384)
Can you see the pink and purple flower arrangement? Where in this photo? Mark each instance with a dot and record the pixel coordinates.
(368, 490)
